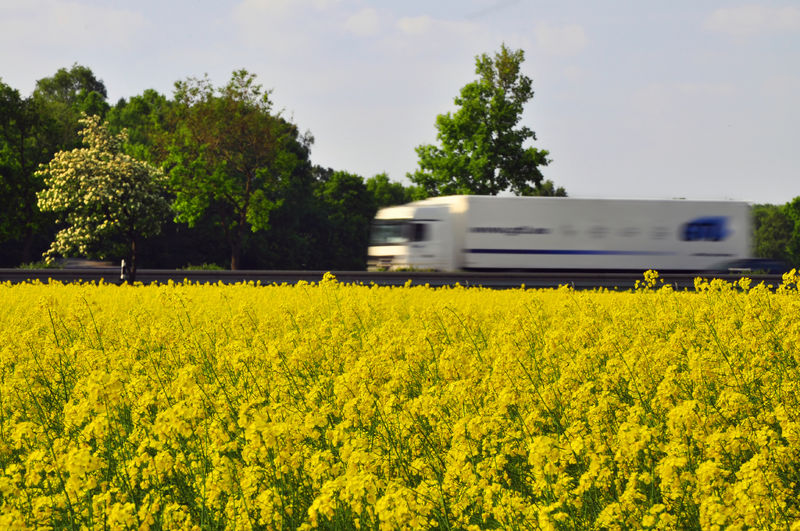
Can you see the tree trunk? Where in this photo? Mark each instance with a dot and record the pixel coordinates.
(236, 252)
(133, 265)
(236, 246)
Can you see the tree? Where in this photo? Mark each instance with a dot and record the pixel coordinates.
(63, 98)
(772, 230)
(482, 148)
(349, 208)
(145, 118)
(32, 129)
(71, 86)
(227, 156)
(388, 193)
(103, 196)
(23, 146)
(792, 211)
(12, 161)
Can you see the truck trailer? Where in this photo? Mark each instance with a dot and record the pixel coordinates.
(490, 233)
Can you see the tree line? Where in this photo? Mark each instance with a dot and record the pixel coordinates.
(211, 175)
(777, 232)
(215, 176)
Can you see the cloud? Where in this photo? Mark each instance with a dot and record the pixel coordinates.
(273, 8)
(364, 23)
(272, 24)
(415, 25)
(280, 8)
(302, 26)
(53, 22)
(569, 39)
(749, 20)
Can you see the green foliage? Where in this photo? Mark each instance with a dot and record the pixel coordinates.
(145, 117)
(71, 86)
(41, 264)
(547, 188)
(772, 230)
(792, 212)
(388, 193)
(349, 207)
(32, 130)
(11, 178)
(292, 241)
(482, 147)
(101, 193)
(24, 144)
(227, 155)
(776, 231)
(239, 174)
(203, 267)
(63, 98)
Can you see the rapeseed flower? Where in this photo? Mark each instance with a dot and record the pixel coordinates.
(325, 405)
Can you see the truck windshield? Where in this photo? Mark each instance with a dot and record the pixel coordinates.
(397, 232)
(388, 232)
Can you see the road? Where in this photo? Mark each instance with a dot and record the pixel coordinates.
(579, 280)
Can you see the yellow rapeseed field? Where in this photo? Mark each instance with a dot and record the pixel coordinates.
(338, 407)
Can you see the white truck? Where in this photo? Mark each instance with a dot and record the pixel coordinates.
(485, 233)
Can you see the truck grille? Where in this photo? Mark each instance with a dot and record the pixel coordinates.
(379, 262)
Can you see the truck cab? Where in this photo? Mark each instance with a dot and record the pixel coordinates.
(411, 237)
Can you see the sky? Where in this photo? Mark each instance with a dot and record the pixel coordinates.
(680, 99)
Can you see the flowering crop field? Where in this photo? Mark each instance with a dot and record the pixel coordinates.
(338, 407)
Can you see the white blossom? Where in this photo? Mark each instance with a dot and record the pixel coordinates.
(98, 191)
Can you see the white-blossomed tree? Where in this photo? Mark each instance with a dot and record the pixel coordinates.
(106, 201)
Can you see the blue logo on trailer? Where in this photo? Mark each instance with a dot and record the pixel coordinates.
(706, 229)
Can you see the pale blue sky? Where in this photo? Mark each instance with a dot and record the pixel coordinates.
(686, 98)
